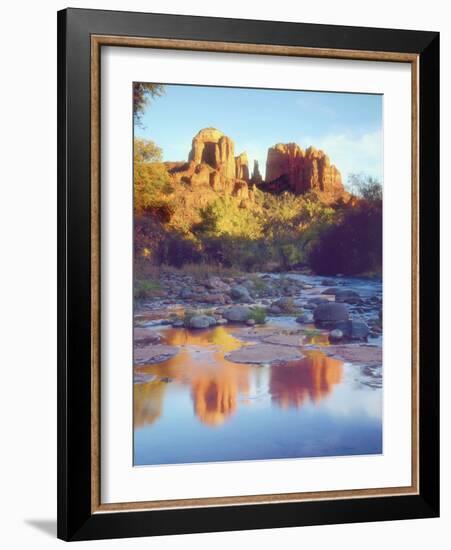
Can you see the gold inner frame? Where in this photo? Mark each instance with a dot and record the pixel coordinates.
(97, 41)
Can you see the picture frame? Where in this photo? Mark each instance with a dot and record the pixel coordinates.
(81, 36)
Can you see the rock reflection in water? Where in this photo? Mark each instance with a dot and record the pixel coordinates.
(215, 383)
(218, 387)
(311, 378)
(147, 402)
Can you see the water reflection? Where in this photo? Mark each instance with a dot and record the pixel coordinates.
(148, 402)
(311, 378)
(218, 387)
(214, 382)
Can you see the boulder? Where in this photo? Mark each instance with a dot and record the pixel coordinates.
(328, 315)
(237, 314)
(347, 296)
(200, 321)
(353, 329)
(240, 293)
(215, 283)
(359, 330)
(285, 304)
(335, 335)
(343, 295)
(221, 321)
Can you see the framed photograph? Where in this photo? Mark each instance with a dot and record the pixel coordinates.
(248, 274)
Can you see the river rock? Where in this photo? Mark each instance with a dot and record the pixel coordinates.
(285, 304)
(249, 284)
(212, 299)
(344, 295)
(336, 335)
(215, 283)
(327, 315)
(200, 321)
(315, 302)
(240, 293)
(305, 318)
(264, 353)
(353, 329)
(237, 314)
(250, 322)
(186, 293)
(347, 296)
(359, 330)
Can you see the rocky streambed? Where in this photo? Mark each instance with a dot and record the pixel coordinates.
(258, 367)
(278, 314)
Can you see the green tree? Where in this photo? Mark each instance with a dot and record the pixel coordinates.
(145, 150)
(143, 92)
(152, 183)
(365, 187)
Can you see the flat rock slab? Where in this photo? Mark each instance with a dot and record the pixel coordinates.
(365, 355)
(294, 340)
(154, 354)
(264, 353)
(253, 333)
(143, 335)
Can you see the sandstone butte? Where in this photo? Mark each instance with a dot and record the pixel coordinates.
(212, 162)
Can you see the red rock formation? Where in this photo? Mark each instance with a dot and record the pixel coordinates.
(211, 161)
(212, 147)
(256, 176)
(288, 167)
(242, 167)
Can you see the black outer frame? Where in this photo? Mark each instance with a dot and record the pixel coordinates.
(75, 520)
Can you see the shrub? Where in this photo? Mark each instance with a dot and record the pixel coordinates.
(144, 289)
(351, 247)
(258, 314)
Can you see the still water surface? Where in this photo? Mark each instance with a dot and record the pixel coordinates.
(200, 407)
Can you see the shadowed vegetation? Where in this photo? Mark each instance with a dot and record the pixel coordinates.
(182, 227)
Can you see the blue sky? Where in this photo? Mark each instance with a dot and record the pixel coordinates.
(348, 127)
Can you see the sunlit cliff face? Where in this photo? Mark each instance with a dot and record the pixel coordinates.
(219, 387)
(311, 378)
